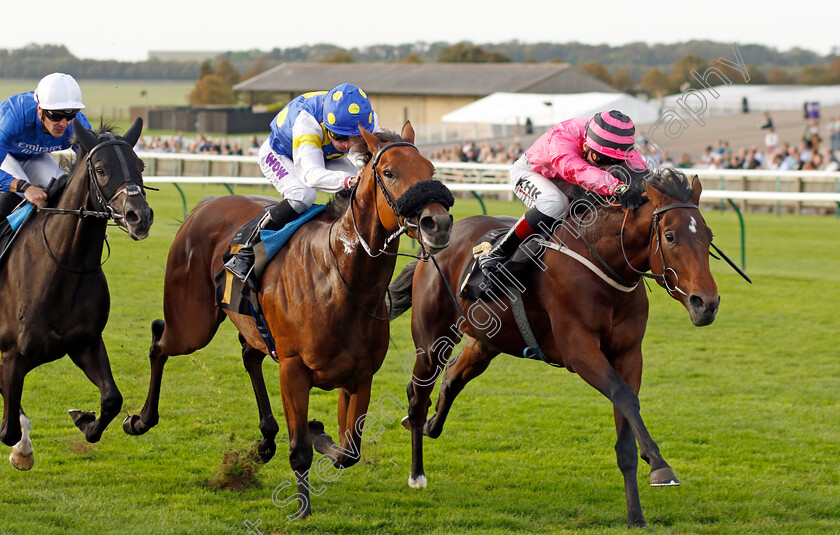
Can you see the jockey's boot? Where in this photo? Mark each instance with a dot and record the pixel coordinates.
(503, 249)
(241, 264)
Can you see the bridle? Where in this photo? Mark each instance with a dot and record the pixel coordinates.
(402, 210)
(103, 209)
(655, 235)
(405, 224)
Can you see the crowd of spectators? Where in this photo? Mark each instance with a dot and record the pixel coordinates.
(817, 149)
(470, 152)
(200, 144)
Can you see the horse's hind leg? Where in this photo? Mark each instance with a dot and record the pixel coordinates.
(253, 360)
(185, 332)
(93, 360)
(22, 456)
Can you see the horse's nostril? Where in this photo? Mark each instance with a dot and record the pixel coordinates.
(696, 302)
(428, 224)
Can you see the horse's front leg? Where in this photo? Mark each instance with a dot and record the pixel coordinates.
(22, 456)
(419, 392)
(295, 384)
(629, 370)
(472, 362)
(12, 373)
(93, 360)
(593, 367)
(352, 411)
(253, 360)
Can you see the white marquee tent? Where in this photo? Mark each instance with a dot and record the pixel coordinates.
(548, 109)
(729, 98)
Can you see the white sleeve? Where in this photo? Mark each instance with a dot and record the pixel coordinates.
(307, 137)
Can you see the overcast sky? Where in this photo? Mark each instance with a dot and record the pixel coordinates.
(130, 30)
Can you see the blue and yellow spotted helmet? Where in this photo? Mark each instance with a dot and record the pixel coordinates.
(346, 106)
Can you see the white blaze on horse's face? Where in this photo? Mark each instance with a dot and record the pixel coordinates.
(692, 225)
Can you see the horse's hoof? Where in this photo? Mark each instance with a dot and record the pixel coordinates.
(21, 460)
(664, 477)
(82, 418)
(265, 451)
(133, 425)
(405, 423)
(417, 483)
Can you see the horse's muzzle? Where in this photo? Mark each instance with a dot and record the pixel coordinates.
(703, 310)
(434, 228)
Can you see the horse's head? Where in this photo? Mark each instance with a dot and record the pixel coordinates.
(680, 239)
(405, 192)
(116, 177)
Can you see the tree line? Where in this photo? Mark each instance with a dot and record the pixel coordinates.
(636, 67)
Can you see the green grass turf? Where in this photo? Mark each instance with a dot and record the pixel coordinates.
(745, 410)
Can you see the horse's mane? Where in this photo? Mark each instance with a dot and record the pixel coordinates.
(341, 200)
(672, 182)
(668, 181)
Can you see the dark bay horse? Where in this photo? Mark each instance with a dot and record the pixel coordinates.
(323, 296)
(55, 296)
(589, 321)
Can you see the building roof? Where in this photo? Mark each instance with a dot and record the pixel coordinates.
(442, 79)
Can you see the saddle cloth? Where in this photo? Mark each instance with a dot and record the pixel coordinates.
(232, 293)
(9, 226)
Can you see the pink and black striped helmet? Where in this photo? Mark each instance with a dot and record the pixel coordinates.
(612, 134)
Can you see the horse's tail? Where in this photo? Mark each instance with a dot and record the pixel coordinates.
(399, 292)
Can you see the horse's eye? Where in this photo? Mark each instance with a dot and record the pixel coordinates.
(669, 237)
(388, 174)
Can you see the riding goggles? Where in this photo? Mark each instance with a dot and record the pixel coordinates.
(59, 115)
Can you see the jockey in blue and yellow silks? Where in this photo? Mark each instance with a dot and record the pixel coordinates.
(306, 153)
(32, 125)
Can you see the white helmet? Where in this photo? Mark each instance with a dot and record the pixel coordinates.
(59, 91)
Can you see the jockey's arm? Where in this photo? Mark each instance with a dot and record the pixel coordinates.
(309, 159)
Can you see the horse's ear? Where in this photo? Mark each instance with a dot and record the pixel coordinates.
(86, 138)
(370, 139)
(133, 133)
(407, 133)
(696, 190)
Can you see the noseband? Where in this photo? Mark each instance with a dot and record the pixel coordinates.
(654, 234)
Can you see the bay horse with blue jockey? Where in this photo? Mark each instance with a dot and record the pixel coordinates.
(322, 294)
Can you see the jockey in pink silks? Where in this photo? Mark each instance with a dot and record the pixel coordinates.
(576, 152)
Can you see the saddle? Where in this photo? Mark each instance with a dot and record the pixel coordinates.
(512, 273)
(508, 281)
(233, 294)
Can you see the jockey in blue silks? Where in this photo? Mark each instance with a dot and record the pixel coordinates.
(306, 153)
(32, 125)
